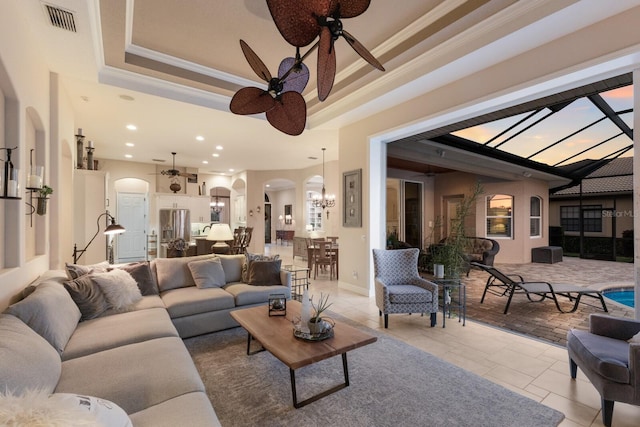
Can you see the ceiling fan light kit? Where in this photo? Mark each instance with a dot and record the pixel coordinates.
(300, 23)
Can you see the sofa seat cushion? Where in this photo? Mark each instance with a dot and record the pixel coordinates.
(188, 301)
(108, 332)
(192, 409)
(134, 376)
(245, 294)
(27, 361)
(608, 357)
(409, 294)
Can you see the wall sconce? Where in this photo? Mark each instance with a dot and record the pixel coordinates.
(287, 219)
(258, 209)
(250, 212)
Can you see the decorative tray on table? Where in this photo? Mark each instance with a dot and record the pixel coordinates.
(304, 334)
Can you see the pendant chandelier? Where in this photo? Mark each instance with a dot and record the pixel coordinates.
(216, 205)
(324, 200)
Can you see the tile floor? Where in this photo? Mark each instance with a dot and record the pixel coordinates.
(533, 367)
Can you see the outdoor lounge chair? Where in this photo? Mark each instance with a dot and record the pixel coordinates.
(501, 284)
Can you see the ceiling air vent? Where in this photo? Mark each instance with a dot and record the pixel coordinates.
(60, 18)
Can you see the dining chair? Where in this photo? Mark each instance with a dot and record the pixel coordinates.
(323, 256)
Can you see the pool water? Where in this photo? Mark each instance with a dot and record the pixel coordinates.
(623, 296)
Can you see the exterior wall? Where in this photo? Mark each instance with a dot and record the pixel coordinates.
(624, 214)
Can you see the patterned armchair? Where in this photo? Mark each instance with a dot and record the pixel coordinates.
(399, 287)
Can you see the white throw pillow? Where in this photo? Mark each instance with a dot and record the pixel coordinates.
(38, 408)
(119, 287)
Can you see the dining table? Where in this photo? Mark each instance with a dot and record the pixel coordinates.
(311, 252)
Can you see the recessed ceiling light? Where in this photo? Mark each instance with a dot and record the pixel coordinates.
(130, 144)
(219, 147)
(200, 138)
(128, 156)
(231, 170)
(132, 127)
(205, 162)
(268, 185)
(216, 155)
(127, 97)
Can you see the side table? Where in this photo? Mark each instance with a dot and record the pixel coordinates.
(299, 280)
(457, 292)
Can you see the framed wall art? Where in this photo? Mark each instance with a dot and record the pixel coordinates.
(352, 203)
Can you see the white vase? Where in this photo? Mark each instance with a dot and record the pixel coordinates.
(438, 271)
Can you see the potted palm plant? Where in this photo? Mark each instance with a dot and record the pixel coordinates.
(316, 323)
(43, 197)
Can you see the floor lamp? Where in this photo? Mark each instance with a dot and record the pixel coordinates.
(112, 228)
(220, 233)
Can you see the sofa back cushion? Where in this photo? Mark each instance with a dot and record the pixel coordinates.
(50, 311)
(174, 273)
(28, 360)
(232, 265)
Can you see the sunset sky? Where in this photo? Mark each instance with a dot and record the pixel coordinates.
(575, 116)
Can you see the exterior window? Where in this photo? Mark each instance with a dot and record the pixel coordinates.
(499, 215)
(592, 218)
(535, 217)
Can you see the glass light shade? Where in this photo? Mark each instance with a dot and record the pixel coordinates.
(35, 177)
(220, 233)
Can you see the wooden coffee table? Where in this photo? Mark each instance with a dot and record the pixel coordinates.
(276, 336)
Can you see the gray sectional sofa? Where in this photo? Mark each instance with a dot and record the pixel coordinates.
(135, 359)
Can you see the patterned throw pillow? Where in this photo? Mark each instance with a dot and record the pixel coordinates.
(249, 258)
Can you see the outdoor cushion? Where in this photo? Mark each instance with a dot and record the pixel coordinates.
(608, 357)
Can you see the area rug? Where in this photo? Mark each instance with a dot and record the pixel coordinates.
(391, 384)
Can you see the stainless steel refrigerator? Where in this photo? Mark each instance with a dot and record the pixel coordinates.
(174, 224)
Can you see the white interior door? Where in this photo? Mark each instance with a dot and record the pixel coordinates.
(132, 215)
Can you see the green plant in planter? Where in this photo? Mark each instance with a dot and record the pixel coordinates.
(452, 253)
(45, 191)
(43, 196)
(315, 322)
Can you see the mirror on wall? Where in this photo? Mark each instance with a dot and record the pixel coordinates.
(288, 214)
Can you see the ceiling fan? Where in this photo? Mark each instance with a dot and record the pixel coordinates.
(175, 172)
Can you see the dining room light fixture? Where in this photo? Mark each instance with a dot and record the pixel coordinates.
(216, 205)
(324, 200)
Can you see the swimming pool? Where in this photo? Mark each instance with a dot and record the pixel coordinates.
(622, 295)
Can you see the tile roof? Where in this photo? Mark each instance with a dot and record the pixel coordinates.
(615, 177)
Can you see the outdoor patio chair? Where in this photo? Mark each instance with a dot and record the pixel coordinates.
(502, 284)
(399, 287)
(609, 355)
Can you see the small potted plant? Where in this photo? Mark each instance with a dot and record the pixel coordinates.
(316, 324)
(43, 197)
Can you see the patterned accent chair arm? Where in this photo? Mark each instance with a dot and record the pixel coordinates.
(426, 284)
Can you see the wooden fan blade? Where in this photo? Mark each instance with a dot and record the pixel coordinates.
(326, 64)
(352, 8)
(256, 63)
(289, 115)
(297, 79)
(251, 100)
(362, 51)
(296, 20)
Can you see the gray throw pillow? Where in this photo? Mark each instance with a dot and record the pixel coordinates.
(88, 297)
(265, 273)
(50, 311)
(141, 273)
(77, 270)
(207, 273)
